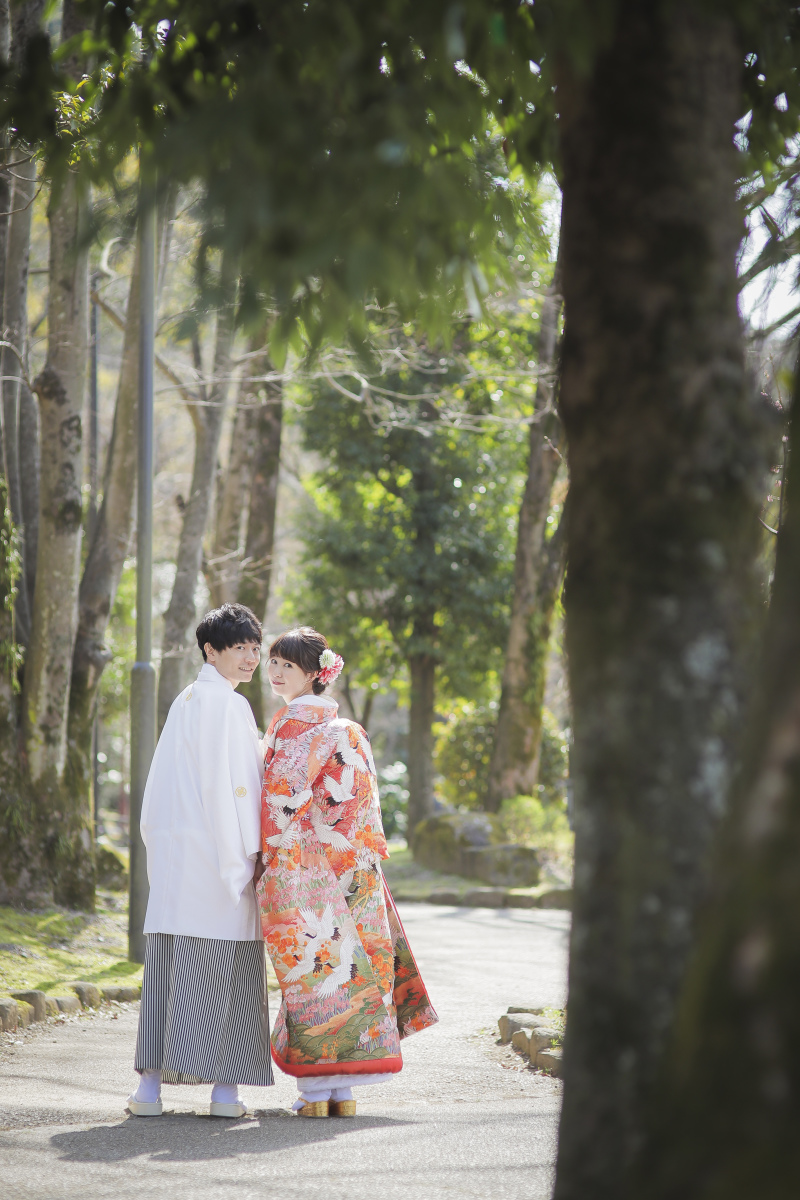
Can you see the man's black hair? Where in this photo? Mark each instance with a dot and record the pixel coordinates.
(227, 626)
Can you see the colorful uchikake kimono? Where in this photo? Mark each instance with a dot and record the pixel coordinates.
(351, 989)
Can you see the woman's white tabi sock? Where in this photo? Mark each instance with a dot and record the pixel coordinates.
(225, 1093)
(310, 1098)
(341, 1093)
(149, 1089)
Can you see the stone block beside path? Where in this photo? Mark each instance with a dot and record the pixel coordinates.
(37, 1001)
(551, 1060)
(122, 994)
(9, 1015)
(68, 1004)
(87, 993)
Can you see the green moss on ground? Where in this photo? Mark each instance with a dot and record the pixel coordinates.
(51, 948)
(54, 946)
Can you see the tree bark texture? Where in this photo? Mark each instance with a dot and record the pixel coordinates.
(665, 458)
(515, 758)
(724, 1122)
(256, 568)
(26, 20)
(23, 879)
(223, 565)
(61, 391)
(16, 395)
(422, 669)
(102, 570)
(208, 419)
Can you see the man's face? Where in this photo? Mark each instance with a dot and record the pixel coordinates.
(236, 663)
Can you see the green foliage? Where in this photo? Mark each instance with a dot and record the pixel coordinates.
(527, 821)
(115, 683)
(553, 762)
(394, 799)
(464, 752)
(411, 535)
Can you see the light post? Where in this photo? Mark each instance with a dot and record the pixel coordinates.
(143, 675)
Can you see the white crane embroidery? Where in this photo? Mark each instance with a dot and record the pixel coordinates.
(327, 834)
(341, 974)
(343, 790)
(322, 929)
(289, 831)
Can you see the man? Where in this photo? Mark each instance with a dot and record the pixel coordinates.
(203, 1016)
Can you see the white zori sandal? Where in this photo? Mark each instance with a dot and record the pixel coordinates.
(226, 1101)
(146, 1100)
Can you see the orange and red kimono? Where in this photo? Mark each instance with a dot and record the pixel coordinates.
(350, 987)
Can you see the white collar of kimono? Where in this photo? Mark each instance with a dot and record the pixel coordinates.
(310, 698)
(210, 674)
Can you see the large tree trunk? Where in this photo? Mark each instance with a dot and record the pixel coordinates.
(103, 567)
(61, 388)
(661, 598)
(515, 759)
(176, 648)
(16, 395)
(256, 570)
(724, 1122)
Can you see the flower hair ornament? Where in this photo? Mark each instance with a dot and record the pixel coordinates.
(331, 665)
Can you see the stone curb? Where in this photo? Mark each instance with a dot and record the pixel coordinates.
(529, 1033)
(491, 898)
(24, 1008)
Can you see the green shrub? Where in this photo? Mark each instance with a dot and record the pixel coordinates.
(394, 799)
(463, 754)
(528, 821)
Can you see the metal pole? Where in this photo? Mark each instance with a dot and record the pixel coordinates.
(143, 676)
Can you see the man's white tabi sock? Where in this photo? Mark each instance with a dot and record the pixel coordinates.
(149, 1089)
(225, 1093)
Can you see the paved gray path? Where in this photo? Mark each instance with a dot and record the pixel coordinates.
(453, 1124)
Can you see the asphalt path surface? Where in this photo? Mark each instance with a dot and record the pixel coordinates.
(456, 1122)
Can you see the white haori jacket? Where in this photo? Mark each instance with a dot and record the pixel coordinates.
(201, 815)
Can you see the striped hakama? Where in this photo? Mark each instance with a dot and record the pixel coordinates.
(204, 1015)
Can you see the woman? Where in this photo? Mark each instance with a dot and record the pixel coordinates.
(351, 989)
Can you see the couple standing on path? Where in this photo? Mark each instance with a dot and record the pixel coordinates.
(312, 847)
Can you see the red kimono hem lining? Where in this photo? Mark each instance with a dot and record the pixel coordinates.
(373, 1066)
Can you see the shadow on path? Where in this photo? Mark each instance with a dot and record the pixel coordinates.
(186, 1137)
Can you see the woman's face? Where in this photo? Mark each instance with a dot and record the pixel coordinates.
(287, 680)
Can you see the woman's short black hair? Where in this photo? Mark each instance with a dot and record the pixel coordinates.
(227, 626)
(303, 647)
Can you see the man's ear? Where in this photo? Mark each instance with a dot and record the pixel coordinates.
(209, 649)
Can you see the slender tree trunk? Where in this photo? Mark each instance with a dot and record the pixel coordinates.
(106, 557)
(208, 420)
(661, 597)
(515, 759)
(23, 879)
(256, 571)
(223, 566)
(724, 1122)
(422, 669)
(10, 458)
(26, 20)
(16, 411)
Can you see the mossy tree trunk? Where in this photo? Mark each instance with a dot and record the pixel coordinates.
(661, 597)
(724, 1120)
(515, 757)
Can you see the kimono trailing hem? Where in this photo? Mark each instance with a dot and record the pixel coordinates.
(375, 1066)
